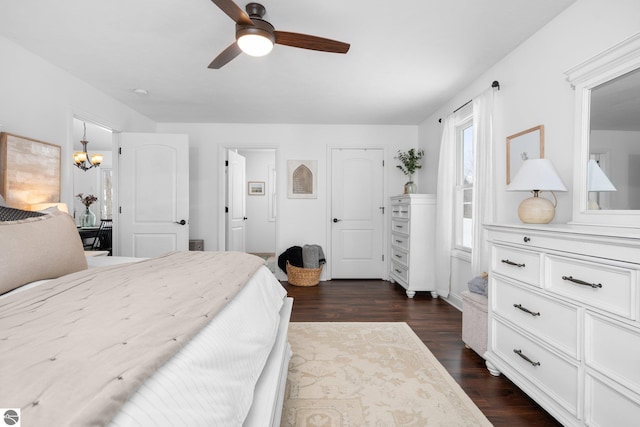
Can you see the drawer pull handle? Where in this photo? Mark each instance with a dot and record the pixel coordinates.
(526, 310)
(398, 271)
(582, 282)
(399, 241)
(399, 226)
(526, 239)
(506, 261)
(519, 353)
(398, 256)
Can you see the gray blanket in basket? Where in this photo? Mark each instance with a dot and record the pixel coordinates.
(312, 256)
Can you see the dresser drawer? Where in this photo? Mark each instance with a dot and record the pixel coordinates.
(400, 273)
(609, 405)
(521, 265)
(551, 320)
(602, 286)
(400, 211)
(400, 257)
(549, 372)
(612, 349)
(400, 241)
(400, 226)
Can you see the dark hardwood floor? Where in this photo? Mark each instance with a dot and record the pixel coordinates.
(437, 323)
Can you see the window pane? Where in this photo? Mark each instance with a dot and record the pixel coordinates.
(464, 223)
(467, 236)
(467, 211)
(467, 205)
(467, 195)
(467, 155)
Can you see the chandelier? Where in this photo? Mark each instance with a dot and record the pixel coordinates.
(82, 159)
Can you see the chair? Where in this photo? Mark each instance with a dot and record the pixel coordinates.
(102, 240)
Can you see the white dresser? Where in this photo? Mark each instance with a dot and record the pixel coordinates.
(564, 322)
(413, 218)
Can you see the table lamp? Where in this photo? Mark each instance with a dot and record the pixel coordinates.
(597, 181)
(536, 175)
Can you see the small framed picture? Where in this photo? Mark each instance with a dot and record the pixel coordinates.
(302, 182)
(528, 144)
(255, 188)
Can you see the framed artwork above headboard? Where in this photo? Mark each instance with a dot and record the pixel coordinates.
(30, 171)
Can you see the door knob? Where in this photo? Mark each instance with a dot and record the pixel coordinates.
(181, 222)
(336, 220)
(245, 218)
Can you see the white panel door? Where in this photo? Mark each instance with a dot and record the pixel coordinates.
(236, 202)
(153, 183)
(357, 201)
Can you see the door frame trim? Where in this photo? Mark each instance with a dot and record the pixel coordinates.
(386, 224)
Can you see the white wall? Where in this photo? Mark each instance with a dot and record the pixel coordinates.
(259, 230)
(299, 220)
(534, 91)
(39, 100)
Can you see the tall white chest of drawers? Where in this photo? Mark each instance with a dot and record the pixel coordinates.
(413, 219)
(564, 319)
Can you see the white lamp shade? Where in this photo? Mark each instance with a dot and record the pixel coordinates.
(596, 178)
(537, 174)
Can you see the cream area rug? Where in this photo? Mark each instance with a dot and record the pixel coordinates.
(370, 374)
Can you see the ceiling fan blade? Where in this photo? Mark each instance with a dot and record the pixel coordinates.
(305, 41)
(225, 56)
(233, 10)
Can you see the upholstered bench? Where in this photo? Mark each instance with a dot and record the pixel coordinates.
(474, 321)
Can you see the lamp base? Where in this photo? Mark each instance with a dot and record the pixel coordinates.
(536, 210)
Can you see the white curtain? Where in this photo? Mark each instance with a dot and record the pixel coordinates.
(445, 206)
(483, 210)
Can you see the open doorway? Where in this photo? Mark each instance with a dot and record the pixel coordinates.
(251, 204)
(97, 181)
(95, 184)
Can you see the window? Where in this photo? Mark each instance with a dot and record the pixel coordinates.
(464, 184)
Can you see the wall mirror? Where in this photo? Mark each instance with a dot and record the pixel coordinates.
(607, 130)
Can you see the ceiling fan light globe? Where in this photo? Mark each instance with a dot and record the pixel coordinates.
(255, 44)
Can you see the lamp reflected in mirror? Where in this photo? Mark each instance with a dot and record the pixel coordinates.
(597, 181)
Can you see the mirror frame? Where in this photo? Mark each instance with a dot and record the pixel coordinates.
(613, 62)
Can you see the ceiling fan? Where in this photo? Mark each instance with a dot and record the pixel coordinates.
(255, 36)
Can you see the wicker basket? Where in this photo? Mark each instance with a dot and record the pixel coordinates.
(303, 276)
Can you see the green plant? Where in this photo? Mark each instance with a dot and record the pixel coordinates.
(410, 161)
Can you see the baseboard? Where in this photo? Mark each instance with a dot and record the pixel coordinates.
(454, 300)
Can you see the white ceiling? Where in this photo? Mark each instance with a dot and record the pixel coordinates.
(406, 59)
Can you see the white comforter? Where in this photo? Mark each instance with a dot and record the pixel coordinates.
(210, 382)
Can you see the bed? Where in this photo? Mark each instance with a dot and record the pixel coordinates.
(188, 338)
